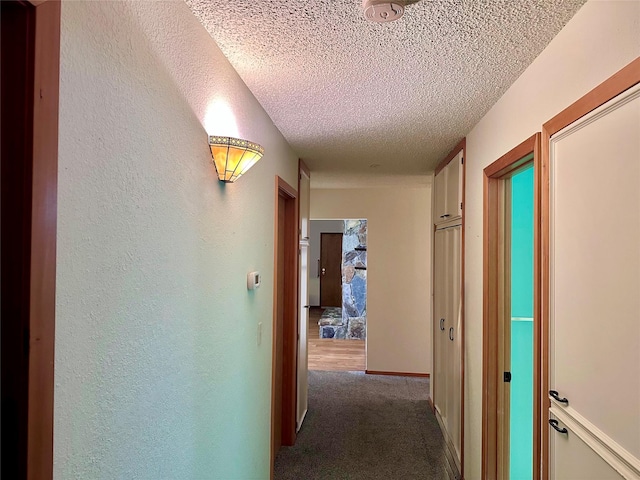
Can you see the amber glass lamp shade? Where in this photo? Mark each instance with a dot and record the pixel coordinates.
(233, 156)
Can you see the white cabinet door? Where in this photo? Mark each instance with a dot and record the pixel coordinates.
(448, 191)
(447, 334)
(455, 346)
(440, 196)
(454, 187)
(439, 380)
(595, 293)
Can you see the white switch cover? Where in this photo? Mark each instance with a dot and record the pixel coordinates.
(253, 280)
(259, 333)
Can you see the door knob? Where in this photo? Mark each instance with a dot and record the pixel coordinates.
(324, 271)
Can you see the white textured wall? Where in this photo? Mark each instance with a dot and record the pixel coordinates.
(318, 227)
(158, 371)
(603, 37)
(398, 270)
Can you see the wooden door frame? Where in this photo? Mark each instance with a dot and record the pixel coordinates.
(41, 268)
(621, 81)
(460, 147)
(495, 269)
(319, 272)
(290, 325)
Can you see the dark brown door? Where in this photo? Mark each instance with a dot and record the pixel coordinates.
(330, 269)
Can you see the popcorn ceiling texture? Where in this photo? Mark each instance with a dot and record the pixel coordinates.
(347, 93)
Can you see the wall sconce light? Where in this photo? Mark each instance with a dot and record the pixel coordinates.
(233, 156)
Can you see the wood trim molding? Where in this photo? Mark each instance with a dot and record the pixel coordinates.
(286, 188)
(495, 176)
(43, 246)
(513, 159)
(303, 168)
(621, 81)
(397, 374)
(462, 145)
(290, 324)
(610, 88)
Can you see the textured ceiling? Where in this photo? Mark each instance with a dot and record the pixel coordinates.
(348, 94)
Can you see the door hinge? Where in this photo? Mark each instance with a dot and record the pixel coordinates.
(460, 205)
(507, 376)
(461, 160)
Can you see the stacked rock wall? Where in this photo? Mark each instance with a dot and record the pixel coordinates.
(354, 278)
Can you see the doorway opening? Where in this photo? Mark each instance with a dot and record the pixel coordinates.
(338, 295)
(511, 333)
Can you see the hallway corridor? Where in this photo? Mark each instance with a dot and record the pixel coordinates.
(365, 427)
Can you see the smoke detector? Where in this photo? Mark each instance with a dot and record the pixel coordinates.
(382, 10)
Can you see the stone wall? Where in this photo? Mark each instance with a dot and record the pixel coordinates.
(354, 278)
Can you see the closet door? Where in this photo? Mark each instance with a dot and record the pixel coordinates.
(454, 387)
(595, 294)
(439, 322)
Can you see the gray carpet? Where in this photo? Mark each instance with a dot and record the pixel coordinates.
(365, 427)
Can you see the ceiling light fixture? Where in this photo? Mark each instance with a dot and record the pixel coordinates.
(382, 11)
(233, 156)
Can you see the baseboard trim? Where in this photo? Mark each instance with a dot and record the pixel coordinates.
(397, 374)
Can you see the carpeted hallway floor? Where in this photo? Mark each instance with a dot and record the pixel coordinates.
(365, 427)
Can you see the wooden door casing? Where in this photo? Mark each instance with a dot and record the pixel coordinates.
(29, 190)
(284, 372)
(497, 307)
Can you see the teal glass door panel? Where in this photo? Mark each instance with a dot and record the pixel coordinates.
(521, 395)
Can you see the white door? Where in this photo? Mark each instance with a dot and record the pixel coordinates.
(303, 300)
(447, 333)
(595, 294)
(439, 319)
(455, 346)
